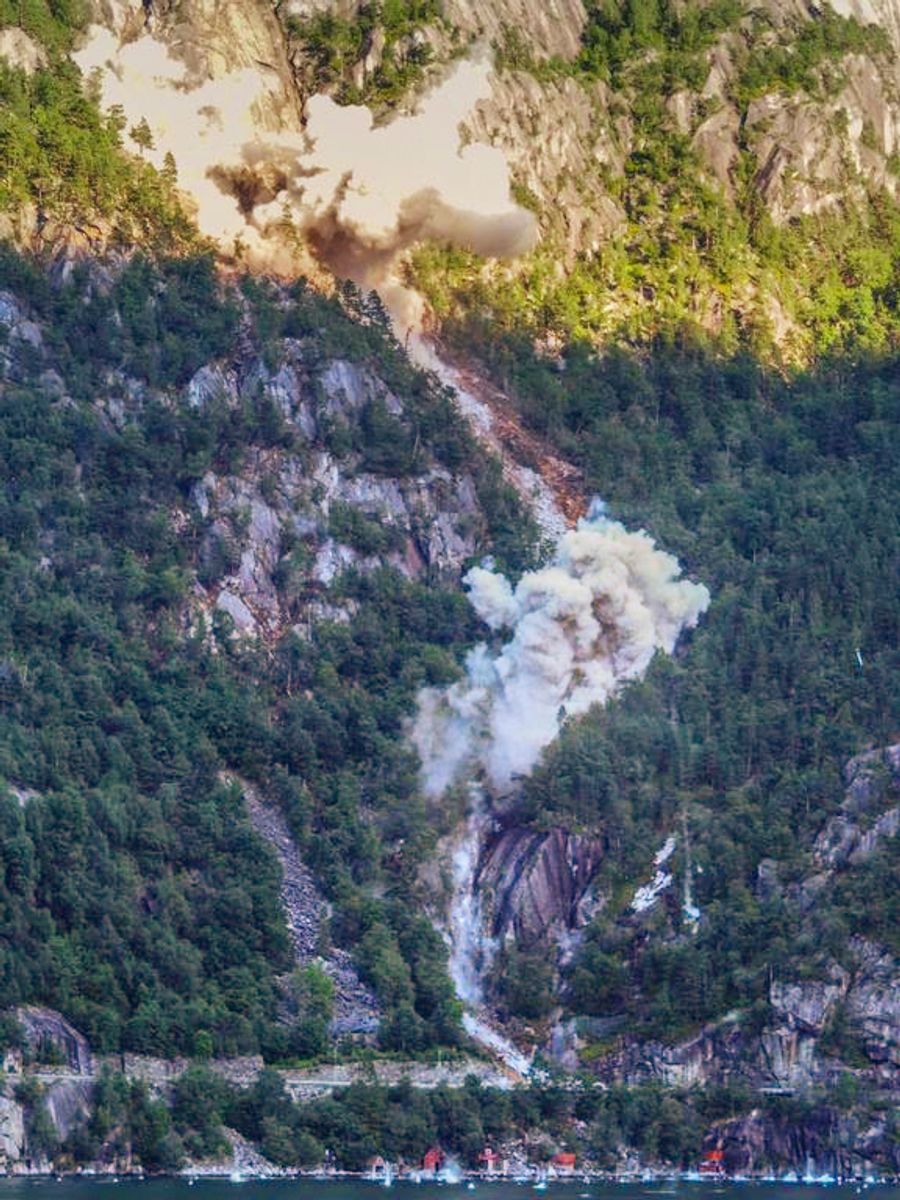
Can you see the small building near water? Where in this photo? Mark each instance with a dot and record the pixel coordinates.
(433, 1159)
(713, 1164)
(489, 1160)
(564, 1162)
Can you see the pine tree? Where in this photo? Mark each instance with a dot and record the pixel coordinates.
(142, 135)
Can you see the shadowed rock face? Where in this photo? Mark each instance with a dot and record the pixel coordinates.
(786, 1054)
(68, 1103)
(537, 884)
(763, 1141)
(43, 1028)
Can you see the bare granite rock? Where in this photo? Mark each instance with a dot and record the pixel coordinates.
(12, 1131)
(536, 882)
(873, 1004)
(20, 50)
(855, 832)
(44, 1028)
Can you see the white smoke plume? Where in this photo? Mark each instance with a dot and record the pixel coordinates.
(357, 194)
(577, 630)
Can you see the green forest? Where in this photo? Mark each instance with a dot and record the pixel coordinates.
(356, 1123)
(136, 898)
(778, 491)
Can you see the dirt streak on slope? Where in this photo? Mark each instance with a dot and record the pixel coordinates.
(564, 481)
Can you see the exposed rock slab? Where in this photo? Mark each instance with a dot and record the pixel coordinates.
(43, 1027)
(537, 881)
(20, 50)
(551, 27)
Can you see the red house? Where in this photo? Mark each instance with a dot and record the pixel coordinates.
(434, 1159)
(713, 1164)
(489, 1159)
(564, 1162)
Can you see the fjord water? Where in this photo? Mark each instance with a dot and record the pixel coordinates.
(357, 1189)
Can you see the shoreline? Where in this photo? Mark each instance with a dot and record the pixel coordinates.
(463, 1179)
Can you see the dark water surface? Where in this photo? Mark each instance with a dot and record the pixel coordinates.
(308, 1189)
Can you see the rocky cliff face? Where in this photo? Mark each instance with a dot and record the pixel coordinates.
(801, 150)
(551, 28)
(431, 519)
(809, 153)
(61, 1062)
(823, 1142)
(884, 13)
(582, 140)
(566, 140)
(213, 38)
(46, 1033)
(537, 885)
(867, 816)
(787, 1055)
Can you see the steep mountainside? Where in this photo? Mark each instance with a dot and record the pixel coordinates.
(337, 719)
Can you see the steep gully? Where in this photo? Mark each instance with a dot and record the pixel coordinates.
(552, 490)
(355, 1008)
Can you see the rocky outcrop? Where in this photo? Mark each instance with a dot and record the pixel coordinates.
(18, 330)
(50, 1038)
(812, 155)
(255, 519)
(244, 1160)
(873, 1005)
(12, 1131)
(796, 1050)
(713, 1057)
(884, 13)
(869, 814)
(536, 885)
(68, 1103)
(213, 39)
(59, 1058)
(787, 1055)
(560, 139)
(551, 27)
(567, 139)
(20, 50)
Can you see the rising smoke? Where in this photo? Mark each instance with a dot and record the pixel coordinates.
(356, 194)
(576, 631)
